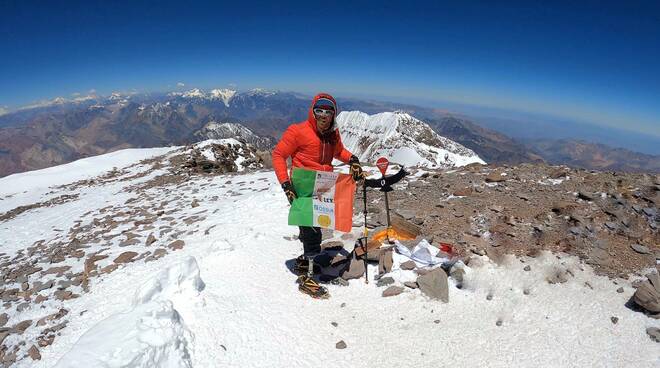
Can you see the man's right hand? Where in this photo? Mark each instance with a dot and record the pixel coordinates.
(289, 191)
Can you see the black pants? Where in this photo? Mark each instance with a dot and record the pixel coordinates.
(311, 239)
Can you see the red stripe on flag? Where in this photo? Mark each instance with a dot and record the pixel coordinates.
(344, 194)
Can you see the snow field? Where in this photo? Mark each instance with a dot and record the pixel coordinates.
(85, 168)
(228, 300)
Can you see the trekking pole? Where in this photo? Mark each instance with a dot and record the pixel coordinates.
(389, 223)
(385, 184)
(365, 234)
(382, 164)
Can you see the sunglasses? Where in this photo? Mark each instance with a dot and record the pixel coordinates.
(323, 112)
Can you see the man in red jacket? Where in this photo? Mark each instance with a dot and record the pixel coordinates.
(312, 144)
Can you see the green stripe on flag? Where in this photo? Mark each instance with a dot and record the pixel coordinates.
(303, 182)
(301, 213)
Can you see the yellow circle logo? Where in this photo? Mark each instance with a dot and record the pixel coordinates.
(324, 220)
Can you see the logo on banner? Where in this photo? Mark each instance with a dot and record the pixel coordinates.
(324, 220)
(382, 165)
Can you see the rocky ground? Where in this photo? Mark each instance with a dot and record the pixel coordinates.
(608, 219)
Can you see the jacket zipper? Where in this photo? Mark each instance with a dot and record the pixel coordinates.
(322, 152)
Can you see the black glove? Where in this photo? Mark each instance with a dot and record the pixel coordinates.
(289, 191)
(356, 170)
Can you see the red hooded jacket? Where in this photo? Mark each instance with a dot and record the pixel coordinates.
(307, 147)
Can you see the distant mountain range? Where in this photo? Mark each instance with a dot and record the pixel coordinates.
(578, 153)
(61, 130)
(530, 127)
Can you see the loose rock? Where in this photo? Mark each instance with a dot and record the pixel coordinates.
(647, 294)
(464, 192)
(126, 257)
(150, 239)
(21, 326)
(434, 285)
(384, 281)
(411, 284)
(385, 262)
(340, 345)
(495, 177)
(654, 333)
(355, 269)
(559, 276)
(64, 294)
(90, 262)
(457, 273)
(33, 352)
(408, 265)
(177, 244)
(392, 291)
(585, 196)
(640, 249)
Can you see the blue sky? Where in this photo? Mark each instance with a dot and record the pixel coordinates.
(593, 61)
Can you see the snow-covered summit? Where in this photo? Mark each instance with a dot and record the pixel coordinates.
(260, 92)
(194, 93)
(214, 130)
(402, 139)
(115, 96)
(57, 101)
(224, 94)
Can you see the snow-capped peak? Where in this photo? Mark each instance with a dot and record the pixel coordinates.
(194, 93)
(223, 94)
(402, 139)
(45, 103)
(84, 98)
(214, 130)
(260, 91)
(114, 96)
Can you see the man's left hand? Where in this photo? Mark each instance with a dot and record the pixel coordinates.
(356, 169)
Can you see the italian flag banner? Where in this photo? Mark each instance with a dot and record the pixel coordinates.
(325, 199)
